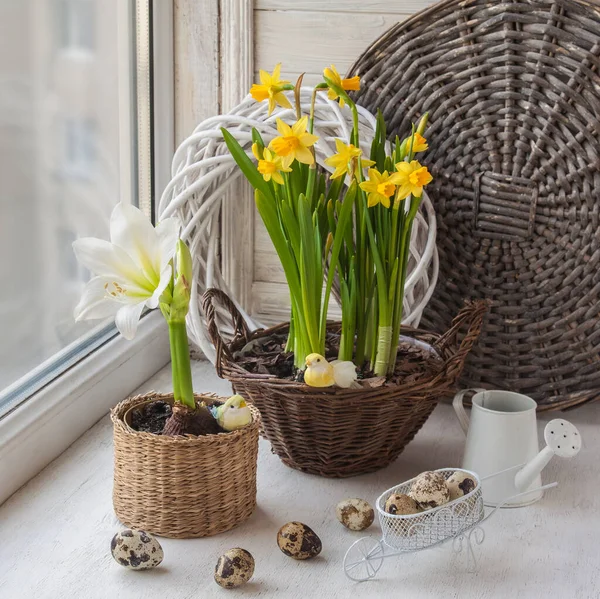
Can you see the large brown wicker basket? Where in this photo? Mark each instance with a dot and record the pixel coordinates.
(513, 93)
(341, 432)
(185, 486)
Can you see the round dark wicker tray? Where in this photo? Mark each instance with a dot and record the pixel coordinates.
(513, 93)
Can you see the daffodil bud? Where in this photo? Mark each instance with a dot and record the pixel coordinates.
(328, 244)
(183, 282)
(422, 124)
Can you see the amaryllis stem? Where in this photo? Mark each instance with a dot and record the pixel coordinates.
(180, 364)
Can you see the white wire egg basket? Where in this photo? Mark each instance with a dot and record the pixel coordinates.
(417, 531)
(458, 522)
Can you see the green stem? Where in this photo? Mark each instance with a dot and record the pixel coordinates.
(180, 364)
(384, 339)
(289, 346)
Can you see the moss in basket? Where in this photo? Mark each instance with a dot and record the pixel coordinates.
(352, 226)
(146, 267)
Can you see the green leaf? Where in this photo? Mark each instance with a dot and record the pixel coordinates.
(257, 138)
(335, 186)
(246, 165)
(344, 220)
(270, 218)
(290, 224)
(393, 278)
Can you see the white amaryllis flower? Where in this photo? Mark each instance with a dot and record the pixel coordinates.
(132, 270)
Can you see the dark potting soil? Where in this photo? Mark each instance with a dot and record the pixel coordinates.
(151, 417)
(267, 356)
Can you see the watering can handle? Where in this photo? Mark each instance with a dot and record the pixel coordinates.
(459, 408)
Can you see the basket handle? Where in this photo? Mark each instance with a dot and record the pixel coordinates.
(239, 324)
(472, 315)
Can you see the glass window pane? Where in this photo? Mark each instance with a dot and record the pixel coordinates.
(60, 175)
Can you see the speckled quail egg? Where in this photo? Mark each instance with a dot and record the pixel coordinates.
(459, 484)
(401, 505)
(429, 490)
(234, 568)
(355, 514)
(136, 550)
(298, 541)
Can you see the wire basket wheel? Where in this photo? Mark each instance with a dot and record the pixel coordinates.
(513, 95)
(364, 559)
(203, 171)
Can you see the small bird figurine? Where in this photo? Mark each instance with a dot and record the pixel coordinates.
(321, 373)
(233, 414)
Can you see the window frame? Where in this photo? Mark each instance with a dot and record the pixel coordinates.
(37, 430)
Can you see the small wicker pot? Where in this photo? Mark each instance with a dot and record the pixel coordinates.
(182, 487)
(342, 432)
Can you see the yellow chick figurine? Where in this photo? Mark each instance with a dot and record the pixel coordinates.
(321, 373)
(233, 414)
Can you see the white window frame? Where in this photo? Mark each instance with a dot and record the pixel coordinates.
(38, 430)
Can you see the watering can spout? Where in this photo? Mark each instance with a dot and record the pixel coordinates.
(562, 439)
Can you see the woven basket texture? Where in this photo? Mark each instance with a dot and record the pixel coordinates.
(336, 432)
(513, 93)
(185, 486)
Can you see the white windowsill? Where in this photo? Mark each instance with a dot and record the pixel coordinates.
(56, 530)
(41, 428)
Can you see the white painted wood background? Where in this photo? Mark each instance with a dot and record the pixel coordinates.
(214, 71)
(55, 532)
(306, 36)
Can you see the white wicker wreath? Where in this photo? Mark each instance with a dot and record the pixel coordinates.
(203, 169)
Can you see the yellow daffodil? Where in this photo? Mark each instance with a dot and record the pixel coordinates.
(270, 166)
(413, 177)
(418, 145)
(352, 84)
(294, 142)
(346, 155)
(380, 187)
(270, 88)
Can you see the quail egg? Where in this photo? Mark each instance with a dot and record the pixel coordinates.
(401, 505)
(459, 484)
(234, 568)
(136, 550)
(355, 514)
(429, 490)
(298, 541)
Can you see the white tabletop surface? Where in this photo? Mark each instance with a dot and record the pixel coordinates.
(55, 532)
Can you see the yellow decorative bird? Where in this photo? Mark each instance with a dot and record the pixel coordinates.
(321, 373)
(233, 414)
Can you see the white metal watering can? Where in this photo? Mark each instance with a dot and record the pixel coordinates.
(502, 440)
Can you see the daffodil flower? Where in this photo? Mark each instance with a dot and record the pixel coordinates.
(346, 155)
(294, 142)
(418, 145)
(413, 177)
(132, 270)
(352, 84)
(271, 88)
(380, 187)
(270, 166)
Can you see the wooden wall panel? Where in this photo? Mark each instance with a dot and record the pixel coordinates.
(196, 49)
(308, 41)
(218, 44)
(343, 6)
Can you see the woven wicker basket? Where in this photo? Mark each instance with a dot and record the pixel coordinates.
(183, 487)
(513, 93)
(341, 432)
